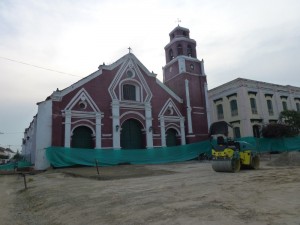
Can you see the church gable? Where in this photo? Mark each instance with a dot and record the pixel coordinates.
(82, 101)
(169, 110)
(129, 83)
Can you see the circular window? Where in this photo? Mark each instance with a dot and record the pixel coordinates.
(130, 73)
(82, 105)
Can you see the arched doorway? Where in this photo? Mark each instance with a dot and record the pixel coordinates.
(131, 135)
(82, 138)
(171, 139)
(256, 131)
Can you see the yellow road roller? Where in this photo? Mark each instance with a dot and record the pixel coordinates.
(229, 155)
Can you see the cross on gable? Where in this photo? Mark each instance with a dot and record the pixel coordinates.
(129, 49)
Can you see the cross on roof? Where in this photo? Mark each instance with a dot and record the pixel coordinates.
(178, 21)
(129, 49)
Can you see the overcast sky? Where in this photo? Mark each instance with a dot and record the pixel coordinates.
(258, 39)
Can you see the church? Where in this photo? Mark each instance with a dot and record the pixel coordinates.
(124, 106)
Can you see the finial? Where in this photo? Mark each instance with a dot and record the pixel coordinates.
(129, 49)
(178, 21)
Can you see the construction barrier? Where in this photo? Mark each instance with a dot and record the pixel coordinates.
(63, 157)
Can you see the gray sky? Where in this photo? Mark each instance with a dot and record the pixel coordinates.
(258, 39)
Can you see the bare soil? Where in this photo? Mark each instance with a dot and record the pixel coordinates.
(182, 193)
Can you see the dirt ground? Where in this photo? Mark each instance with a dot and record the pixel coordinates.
(183, 193)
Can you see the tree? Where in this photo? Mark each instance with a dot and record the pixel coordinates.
(291, 118)
(277, 130)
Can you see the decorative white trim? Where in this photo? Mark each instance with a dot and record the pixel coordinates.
(82, 95)
(169, 104)
(188, 107)
(68, 116)
(116, 122)
(162, 132)
(132, 112)
(132, 63)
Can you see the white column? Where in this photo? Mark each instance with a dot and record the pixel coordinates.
(148, 116)
(188, 107)
(208, 110)
(98, 130)
(182, 131)
(116, 127)
(68, 116)
(163, 132)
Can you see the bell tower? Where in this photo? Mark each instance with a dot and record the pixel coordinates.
(184, 74)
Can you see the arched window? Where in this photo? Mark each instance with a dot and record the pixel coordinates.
(129, 92)
(234, 108)
(189, 51)
(179, 49)
(171, 56)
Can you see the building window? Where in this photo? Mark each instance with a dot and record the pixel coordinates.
(270, 107)
(253, 105)
(189, 51)
(284, 105)
(129, 92)
(256, 131)
(236, 132)
(234, 108)
(171, 56)
(220, 112)
(179, 49)
(298, 106)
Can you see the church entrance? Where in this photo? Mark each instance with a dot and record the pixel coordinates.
(131, 135)
(171, 139)
(82, 138)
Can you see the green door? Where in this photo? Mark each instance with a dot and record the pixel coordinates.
(171, 137)
(131, 135)
(82, 138)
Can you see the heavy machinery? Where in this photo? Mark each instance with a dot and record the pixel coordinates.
(229, 155)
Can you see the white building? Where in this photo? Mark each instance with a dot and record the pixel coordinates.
(249, 104)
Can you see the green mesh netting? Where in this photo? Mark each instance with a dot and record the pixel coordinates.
(15, 165)
(62, 157)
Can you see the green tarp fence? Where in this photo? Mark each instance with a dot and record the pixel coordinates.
(15, 165)
(63, 157)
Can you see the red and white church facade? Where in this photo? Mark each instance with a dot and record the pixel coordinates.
(124, 106)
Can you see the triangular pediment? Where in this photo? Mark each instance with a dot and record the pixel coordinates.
(170, 110)
(82, 101)
(130, 72)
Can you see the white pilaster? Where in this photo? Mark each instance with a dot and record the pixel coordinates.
(182, 131)
(149, 131)
(116, 127)
(163, 132)
(208, 110)
(98, 130)
(68, 116)
(188, 107)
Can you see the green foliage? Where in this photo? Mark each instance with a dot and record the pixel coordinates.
(277, 130)
(288, 126)
(18, 156)
(291, 118)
